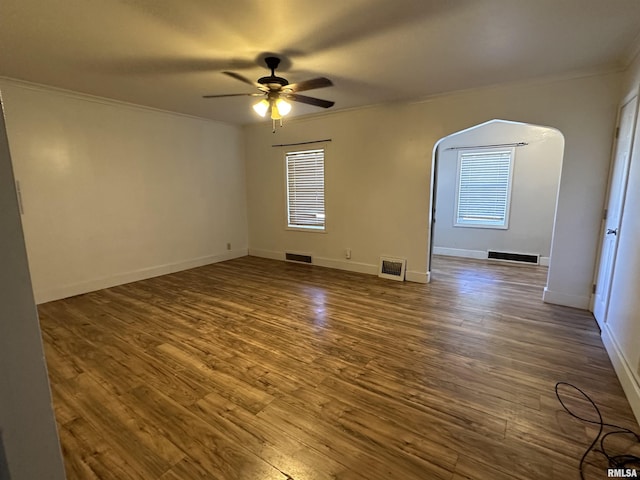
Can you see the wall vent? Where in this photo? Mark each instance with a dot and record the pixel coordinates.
(532, 259)
(297, 257)
(392, 268)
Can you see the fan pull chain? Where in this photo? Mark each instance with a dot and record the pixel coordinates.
(273, 121)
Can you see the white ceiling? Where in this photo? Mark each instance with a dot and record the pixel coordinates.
(168, 53)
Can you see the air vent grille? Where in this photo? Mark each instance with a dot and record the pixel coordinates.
(392, 268)
(514, 257)
(297, 257)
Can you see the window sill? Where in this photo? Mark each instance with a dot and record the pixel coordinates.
(308, 230)
(477, 225)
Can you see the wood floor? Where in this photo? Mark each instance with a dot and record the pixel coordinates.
(258, 369)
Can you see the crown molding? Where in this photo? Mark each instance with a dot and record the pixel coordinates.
(39, 87)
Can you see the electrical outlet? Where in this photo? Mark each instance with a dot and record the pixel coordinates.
(228, 246)
(347, 253)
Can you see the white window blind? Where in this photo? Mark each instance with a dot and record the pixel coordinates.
(484, 188)
(305, 189)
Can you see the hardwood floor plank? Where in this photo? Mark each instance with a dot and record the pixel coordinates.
(269, 442)
(347, 444)
(213, 451)
(255, 368)
(470, 469)
(88, 454)
(353, 414)
(459, 434)
(237, 391)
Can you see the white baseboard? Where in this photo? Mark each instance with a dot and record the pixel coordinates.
(460, 252)
(351, 266)
(417, 277)
(342, 264)
(271, 254)
(479, 254)
(347, 265)
(559, 298)
(625, 374)
(64, 291)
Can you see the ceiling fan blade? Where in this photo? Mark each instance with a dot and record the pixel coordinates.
(242, 78)
(319, 82)
(310, 100)
(234, 95)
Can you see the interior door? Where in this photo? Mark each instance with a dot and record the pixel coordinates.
(615, 201)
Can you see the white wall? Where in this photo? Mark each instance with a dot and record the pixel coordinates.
(376, 190)
(29, 447)
(378, 173)
(621, 332)
(114, 193)
(535, 181)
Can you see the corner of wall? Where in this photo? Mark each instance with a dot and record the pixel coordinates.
(623, 371)
(346, 265)
(564, 299)
(418, 277)
(91, 285)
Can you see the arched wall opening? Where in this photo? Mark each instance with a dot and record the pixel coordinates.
(537, 164)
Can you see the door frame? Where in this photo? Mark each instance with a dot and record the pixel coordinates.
(634, 93)
(435, 160)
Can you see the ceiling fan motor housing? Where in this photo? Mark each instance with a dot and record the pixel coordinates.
(273, 80)
(275, 88)
(272, 64)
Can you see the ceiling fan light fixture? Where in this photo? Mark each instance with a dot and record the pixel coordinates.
(275, 113)
(275, 91)
(261, 107)
(283, 106)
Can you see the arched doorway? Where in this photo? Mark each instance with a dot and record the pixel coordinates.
(531, 158)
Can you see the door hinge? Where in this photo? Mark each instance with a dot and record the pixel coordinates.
(593, 290)
(605, 213)
(617, 132)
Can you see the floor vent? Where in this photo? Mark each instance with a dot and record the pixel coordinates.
(392, 268)
(514, 257)
(297, 257)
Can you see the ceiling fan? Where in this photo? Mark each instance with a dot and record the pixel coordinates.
(277, 90)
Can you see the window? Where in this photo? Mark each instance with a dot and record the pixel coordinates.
(305, 190)
(484, 188)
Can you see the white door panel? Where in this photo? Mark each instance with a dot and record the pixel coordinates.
(615, 201)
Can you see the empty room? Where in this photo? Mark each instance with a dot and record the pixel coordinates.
(301, 241)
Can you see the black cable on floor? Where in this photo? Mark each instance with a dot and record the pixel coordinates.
(615, 461)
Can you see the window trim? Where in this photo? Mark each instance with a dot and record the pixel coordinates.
(303, 228)
(471, 224)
